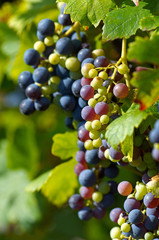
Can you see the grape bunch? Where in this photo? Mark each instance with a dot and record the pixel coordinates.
(140, 217)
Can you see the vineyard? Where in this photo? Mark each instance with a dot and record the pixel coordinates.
(79, 120)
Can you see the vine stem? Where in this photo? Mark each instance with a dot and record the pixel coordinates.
(124, 61)
(76, 27)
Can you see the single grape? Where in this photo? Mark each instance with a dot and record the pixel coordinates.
(54, 58)
(68, 102)
(108, 201)
(155, 154)
(31, 57)
(33, 91)
(65, 86)
(115, 213)
(88, 113)
(76, 202)
(79, 167)
(91, 156)
(27, 106)
(130, 204)
(87, 60)
(151, 223)
(25, 79)
(85, 81)
(83, 54)
(138, 230)
(86, 192)
(113, 186)
(39, 46)
(80, 145)
(123, 68)
(64, 19)
(150, 200)
(72, 64)
(41, 75)
(85, 213)
(135, 216)
(99, 212)
(76, 114)
(64, 46)
(82, 35)
(76, 87)
(46, 27)
(101, 108)
(115, 233)
(80, 157)
(83, 134)
(112, 171)
(82, 103)
(87, 178)
(120, 90)
(125, 188)
(101, 61)
(117, 155)
(42, 104)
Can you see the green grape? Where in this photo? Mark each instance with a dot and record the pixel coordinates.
(54, 58)
(121, 220)
(88, 126)
(103, 75)
(94, 134)
(88, 144)
(97, 196)
(92, 102)
(102, 90)
(141, 191)
(142, 167)
(86, 68)
(125, 227)
(96, 82)
(153, 186)
(93, 73)
(104, 119)
(39, 46)
(49, 89)
(55, 79)
(138, 140)
(97, 142)
(136, 162)
(148, 236)
(98, 52)
(75, 75)
(96, 124)
(104, 187)
(123, 68)
(72, 64)
(106, 154)
(152, 172)
(62, 61)
(49, 41)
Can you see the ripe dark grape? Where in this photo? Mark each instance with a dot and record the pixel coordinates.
(79, 167)
(82, 35)
(130, 204)
(101, 108)
(62, 72)
(64, 46)
(83, 134)
(76, 114)
(65, 86)
(85, 213)
(112, 171)
(33, 91)
(138, 230)
(83, 54)
(91, 156)
(82, 103)
(41, 75)
(150, 200)
(80, 157)
(68, 102)
(88, 113)
(64, 19)
(76, 201)
(135, 216)
(87, 178)
(120, 90)
(151, 223)
(42, 104)
(87, 92)
(114, 214)
(80, 145)
(25, 79)
(27, 106)
(31, 57)
(76, 87)
(99, 212)
(69, 122)
(108, 201)
(115, 154)
(87, 60)
(46, 27)
(101, 61)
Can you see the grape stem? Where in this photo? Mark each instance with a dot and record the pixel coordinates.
(75, 27)
(124, 61)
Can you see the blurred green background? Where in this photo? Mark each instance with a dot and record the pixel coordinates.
(25, 142)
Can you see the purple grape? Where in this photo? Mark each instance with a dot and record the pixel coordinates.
(135, 216)
(25, 79)
(112, 171)
(138, 230)
(33, 91)
(83, 134)
(101, 108)
(107, 201)
(101, 61)
(41, 75)
(42, 104)
(27, 107)
(152, 211)
(145, 178)
(76, 202)
(83, 54)
(130, 204)
(88, 113)
(80, 145)
(150, 201)
(114, 214)
(115, 154)
(91, 156)
(46, 27)
(87, 178)
(151, 223)
(85, 213)
(113, 186)
(99, 212)
(155, 154)
(154, 135)
(80, 157)
(105, 144)
(31, 57)
(87, 92)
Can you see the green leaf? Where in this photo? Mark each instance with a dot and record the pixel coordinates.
(88, 12)
(61, 183)
(147, 83)
(37, 183)
(144, 50)
(127, 147)
(22, 151)
(65, 145)
(124, 126)
(124, 22)
(149, 23)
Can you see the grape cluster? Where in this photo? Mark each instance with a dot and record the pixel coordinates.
(154, 138)
(140, 217)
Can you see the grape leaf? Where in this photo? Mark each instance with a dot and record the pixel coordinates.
(61, 183)
(144, 50)
(124, 22)
(124, 126)
(37, 183)
(127, 147)
(65, 145)
(147, 83)
(88, 12)
(149, 23)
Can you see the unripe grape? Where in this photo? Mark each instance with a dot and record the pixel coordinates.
(92, 102)
(54, 58)
(121, 220)
(115, 232)
(97, 142)
(96, 124)
(55, 79)
(86, 68)
(93, 73)
(125, 227)
(88, 145)
(125, 188)
(123, 68)
(39, 46)
(104, 119)
(96, 83)
(49, 41)
(103, 75)
(72, 64)
(102, 90)
(106, 154)
(98, 52)
(94, 134)
(104, 187)
(97, 196)
(88, 126)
